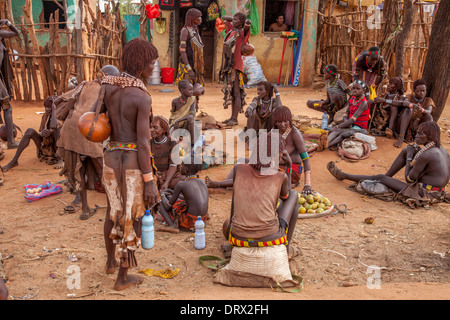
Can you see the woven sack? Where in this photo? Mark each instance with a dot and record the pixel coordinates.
(257, 267)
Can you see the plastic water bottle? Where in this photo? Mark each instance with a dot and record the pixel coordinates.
(199, 237)
(371, 141)
(324, 121)
(148, 231)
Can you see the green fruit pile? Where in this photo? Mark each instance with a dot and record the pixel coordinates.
(313, 203)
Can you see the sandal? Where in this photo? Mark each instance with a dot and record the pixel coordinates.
(232, 123)
(331, 166)
(72, 208)
(389, 134)
(85, 216)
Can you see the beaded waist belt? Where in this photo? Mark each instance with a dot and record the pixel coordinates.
(431, 188)
(121, 146)
(251, 243)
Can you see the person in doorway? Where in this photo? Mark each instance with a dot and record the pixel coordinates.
(279, 25)
(231, 73)
(191, 66)
(6, 78)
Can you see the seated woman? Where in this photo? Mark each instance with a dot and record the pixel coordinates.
(389, 106)
(294, 145)
(357, 118)
(255, 219)
(161, 144)
(418, 111)
(427, 169)
(337, 92)
(259, 112)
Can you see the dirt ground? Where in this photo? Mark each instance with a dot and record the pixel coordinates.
(412, 247)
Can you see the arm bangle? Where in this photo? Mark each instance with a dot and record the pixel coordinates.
(277, 94)
(148, 177)
(288, 170)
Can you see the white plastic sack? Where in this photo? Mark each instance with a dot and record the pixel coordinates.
(253, 70)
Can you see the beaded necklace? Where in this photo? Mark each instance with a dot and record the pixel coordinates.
(429, 145)
(190, 177)
(286, 133)
(333, 83)
(160, 142)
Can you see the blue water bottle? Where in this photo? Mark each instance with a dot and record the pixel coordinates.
(324, 121)
(199, 237)
(148, 231)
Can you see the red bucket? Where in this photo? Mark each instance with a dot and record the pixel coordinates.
(167, 75)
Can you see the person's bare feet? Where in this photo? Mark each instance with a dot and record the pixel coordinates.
(129, 281)
(111, 266)
(334, 170)
(211, 183)
(10, 165)
(399, 143)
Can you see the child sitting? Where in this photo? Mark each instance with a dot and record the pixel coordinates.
(188, 200)
(183, 109)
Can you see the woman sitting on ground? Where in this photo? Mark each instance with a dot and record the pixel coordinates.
(337, 92)
(294, 145)
(162, 145)
(387, 113)
(255, 219)
(259, 112)
(357, 118)
(418, 111)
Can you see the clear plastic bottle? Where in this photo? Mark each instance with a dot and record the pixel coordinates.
(199, 237)
(324, 121)
(148, 231)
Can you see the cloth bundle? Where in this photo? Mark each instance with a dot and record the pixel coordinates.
(47, 189)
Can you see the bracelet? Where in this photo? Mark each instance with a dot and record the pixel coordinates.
(188, 67)
(306, 185)
(409, 159)
(148, 177)
(388, 101)
(288, 170)
(277, 94)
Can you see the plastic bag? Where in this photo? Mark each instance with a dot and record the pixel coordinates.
(253, 70)
(254, 17)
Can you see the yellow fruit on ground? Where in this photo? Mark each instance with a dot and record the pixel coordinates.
(320, 210)
(314, 205)
(301, 200)
(301, 210)
(310, 211)
(321, 205)
(310, 199)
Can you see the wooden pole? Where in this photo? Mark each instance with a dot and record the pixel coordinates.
(79, 42)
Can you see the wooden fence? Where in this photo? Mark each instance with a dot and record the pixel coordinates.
(345, 35)
(41, 70)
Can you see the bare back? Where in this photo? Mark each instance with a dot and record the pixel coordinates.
(129, 111)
